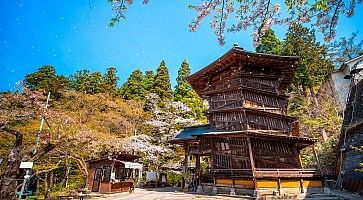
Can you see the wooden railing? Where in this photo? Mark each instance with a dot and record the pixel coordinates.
(264, 173)
(230, 172)
(285, 173)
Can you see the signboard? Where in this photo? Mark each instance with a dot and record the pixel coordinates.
(132, 165)
(151, 176)
(26, 165)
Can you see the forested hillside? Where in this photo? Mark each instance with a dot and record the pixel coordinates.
(90, 116)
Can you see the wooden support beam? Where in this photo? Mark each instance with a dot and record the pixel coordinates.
(185, 170)
(251, 156)
(197, 164)
(298, 157)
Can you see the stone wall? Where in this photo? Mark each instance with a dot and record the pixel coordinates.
(352, 140)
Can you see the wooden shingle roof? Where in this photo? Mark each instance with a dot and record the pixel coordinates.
(284, 65)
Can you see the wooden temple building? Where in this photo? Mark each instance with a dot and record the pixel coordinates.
(250, 143)
(111, 174)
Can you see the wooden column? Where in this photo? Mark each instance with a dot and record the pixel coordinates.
(251, 160)
(197, 164)
(251, 156)
(298, 158)
(197, 169)
(185, 169)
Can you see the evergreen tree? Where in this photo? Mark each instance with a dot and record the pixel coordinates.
(313, 67)
(78, 79)
(133, 88)
(182, 88)
(269, 44)
(162, 86)
(148, 81)
(86, 82)
(185, 93)
(109, 80)
(95, 81)
(46, 79)
(312, 70)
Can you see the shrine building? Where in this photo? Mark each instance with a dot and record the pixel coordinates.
(251, 145)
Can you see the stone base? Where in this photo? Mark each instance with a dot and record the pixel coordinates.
(200, 189)
(232, 192)
(256, 193)
(214, 190)
(327, 190)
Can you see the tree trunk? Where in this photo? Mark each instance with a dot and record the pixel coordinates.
(316, 105)
(46, 194)
(67, 174)
(51, 178)
(8, 181)
(313, 97)
(38, 184)
(304, 91)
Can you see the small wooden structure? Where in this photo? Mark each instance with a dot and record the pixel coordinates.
(250, 143)
(114, 174)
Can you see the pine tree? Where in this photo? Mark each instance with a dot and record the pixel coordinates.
(313, 67)
(79, 79)
(86, 82)
(133, 88)
(109, 80)
(148, 81)
(95, 81)
(185, 93)
(270, 44)
(182, 88)
(162, 86)
(46, 79)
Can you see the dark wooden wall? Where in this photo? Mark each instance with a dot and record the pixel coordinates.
(242, 100)
(233, 153)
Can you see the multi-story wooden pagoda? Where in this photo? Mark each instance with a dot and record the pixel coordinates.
(250, 143)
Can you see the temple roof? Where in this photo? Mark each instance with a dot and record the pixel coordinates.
(285, 65)
(193, 132)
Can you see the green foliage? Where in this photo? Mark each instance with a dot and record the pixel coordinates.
(174, 178)
(185, 93)
(270, 44)
(93, 83)
(148, 81)
(313, 119)
(326, 152)
(162, 86)
(86, 82)
(45, 79)
(313, 68)
(182, 88)
(133, 88)
(109, 81)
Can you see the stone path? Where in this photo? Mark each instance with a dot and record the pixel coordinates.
(171, 194)
(162, 194)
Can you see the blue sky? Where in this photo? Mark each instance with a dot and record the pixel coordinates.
(71, 36)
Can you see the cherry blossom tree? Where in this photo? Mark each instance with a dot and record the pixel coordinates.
(166, 121)
(260, 15)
